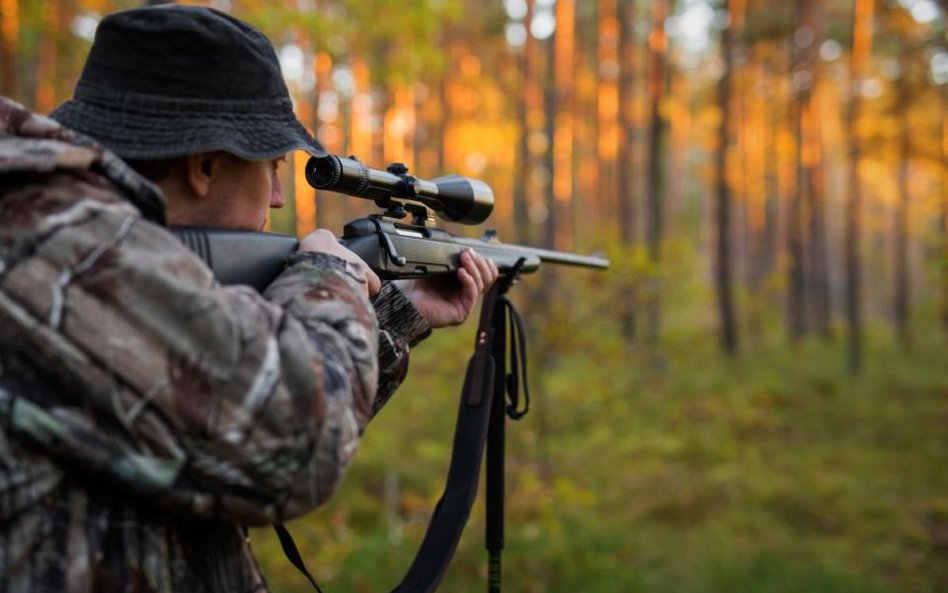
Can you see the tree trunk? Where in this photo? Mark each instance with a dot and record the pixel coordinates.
(817, 280)
(770, 243)
(755, 129)
(724, 272)
(550, 107)
(818, 273)
(658, 43)
(944, 212)
(522, 170)
(627, 198)
(595, 209)
(796, 271)
(862, 46)
(563, 75)
(581, 215)
(902, 275)
(606, 113)
(628, 207)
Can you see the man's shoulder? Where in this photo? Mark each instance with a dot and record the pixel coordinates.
(32, 145)
(17, 120)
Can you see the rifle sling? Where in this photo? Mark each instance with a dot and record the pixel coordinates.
(293, 554)
(454, 508)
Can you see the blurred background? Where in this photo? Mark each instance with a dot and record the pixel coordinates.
(755, 397)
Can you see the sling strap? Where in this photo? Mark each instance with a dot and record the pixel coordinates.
(454, 508)
(293, 554)
(481, 411)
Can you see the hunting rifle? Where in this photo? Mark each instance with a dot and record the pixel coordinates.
(390, 246)
(394, 249)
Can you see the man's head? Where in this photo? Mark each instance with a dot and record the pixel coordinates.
(195, 99)
(216, 189)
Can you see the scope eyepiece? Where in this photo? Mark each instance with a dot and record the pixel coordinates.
(455, 198)
(348, 176)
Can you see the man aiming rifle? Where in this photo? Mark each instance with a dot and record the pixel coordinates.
(147, 411)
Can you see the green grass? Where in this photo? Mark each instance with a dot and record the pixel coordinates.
(668, 470)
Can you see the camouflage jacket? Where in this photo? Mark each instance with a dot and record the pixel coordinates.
(146, 412)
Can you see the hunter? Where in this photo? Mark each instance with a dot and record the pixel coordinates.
(149, 413)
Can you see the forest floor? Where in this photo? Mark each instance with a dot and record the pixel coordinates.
(775, 472)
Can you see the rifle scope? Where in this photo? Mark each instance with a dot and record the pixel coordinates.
(454, 198)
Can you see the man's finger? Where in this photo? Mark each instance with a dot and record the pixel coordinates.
(494, 271)
(487, 272)
(469, 289)
(469, 261)
(372, 280)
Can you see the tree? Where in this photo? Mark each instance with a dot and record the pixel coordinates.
(802, 83)
(524, 103)
(771, 244)
(724, 276)
(658, 46)
(550, 108)
(813, 184)
(944, 210)
(627, 195)
(564, 45)
(902, 276)
(861, 49)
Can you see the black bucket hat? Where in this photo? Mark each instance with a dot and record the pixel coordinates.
(171, 80)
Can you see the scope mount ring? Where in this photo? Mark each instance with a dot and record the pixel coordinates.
(398, 209)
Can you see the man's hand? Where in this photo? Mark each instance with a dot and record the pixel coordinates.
(445, 301)
(324, 241)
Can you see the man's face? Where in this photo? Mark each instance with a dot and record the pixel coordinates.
(244, 192)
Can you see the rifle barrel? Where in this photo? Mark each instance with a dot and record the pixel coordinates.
(546, 255)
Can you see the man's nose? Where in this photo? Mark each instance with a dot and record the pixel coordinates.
(276, 193)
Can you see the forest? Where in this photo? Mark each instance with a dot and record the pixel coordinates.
(754, 397)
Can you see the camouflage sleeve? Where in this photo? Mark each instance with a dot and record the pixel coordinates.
(401, 327)
(210, 399)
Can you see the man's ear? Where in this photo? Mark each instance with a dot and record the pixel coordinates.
(201, 170)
